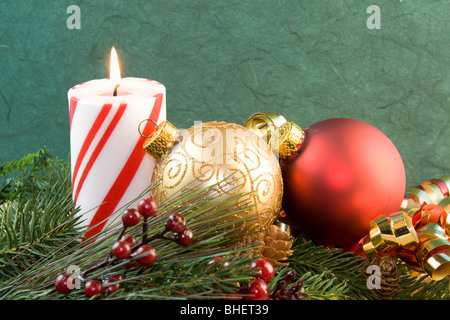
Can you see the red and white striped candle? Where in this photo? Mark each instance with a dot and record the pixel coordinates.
(109, 167)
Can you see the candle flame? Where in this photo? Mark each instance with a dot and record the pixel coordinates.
(114, 68)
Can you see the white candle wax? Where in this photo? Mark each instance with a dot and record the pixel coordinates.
(109, 166)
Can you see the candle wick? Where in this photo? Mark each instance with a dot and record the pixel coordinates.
(115, 90)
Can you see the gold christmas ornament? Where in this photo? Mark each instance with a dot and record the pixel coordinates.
(209, 153)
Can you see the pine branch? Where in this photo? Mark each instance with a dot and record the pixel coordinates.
(179, 273)
(20, 177)
(423, 288)
(37, 214)
(328, 273)
(40, 238)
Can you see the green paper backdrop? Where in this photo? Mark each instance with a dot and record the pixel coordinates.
(225, 60)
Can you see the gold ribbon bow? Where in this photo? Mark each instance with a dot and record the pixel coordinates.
(419, 233)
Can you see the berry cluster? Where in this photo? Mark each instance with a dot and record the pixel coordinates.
(65, 283)
(126, 248)
(258, 289)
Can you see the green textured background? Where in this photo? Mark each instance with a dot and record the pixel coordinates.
(224, 60)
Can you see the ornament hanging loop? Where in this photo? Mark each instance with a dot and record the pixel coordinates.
(139, 127)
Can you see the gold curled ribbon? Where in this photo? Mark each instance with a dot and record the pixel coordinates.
(404, 231)
(446, 205)
(419, 234)
(431, 191)
(432, 229)
(438, 266)
(431, 213)
(433, 252)
(385, 232)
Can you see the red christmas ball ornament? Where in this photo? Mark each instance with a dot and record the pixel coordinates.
(339, 175)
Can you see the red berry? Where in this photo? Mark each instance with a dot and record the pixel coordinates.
(148, 255)
(130, 239)
(258, 290)
(62, 285)
(121, 249)
(131, 217)
(185, 237)
(176, 223)
(265, 269)
(93, 288)
(147, 207)
(111, 288)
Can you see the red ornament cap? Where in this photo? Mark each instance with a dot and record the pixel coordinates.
(287, 139)
(283, 137)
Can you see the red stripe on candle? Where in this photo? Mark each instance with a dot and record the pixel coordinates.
(72, 106)
(90, 136)
(99, 148)
(125, 177)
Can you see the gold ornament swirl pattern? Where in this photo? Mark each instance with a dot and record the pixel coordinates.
(175, 168)
(213, 151)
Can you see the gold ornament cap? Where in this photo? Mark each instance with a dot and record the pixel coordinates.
(161, 139)
(283, 137)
